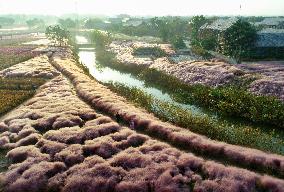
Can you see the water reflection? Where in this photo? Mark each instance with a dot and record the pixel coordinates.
(107, 75)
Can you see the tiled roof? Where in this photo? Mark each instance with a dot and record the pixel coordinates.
(270, 38)
(270, 21)
(220, 24)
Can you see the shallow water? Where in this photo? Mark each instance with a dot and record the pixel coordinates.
(107, 75)
(104, 74)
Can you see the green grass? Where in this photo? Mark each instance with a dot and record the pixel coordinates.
(9, 60)
(149, 51)
(4, 163)
(148, 39)
(16, 41)
(215, 129)
(230, 100)
(14, 91)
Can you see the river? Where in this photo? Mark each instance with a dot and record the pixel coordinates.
(87, 57)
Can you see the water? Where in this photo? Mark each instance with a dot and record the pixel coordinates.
(108, 75)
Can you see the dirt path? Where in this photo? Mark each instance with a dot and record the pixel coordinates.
(60, 143)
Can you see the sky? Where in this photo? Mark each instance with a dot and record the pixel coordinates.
(144, 7)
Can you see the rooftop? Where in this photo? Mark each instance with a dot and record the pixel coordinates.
(270, 38)
(270, 21)
(220, 24)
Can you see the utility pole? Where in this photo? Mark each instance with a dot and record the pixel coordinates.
(77, 18)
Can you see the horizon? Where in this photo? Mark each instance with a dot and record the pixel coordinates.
(144, 8)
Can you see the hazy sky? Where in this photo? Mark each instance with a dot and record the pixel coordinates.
(145, 7)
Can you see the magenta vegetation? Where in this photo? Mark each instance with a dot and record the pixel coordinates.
(269, 77)
(57, 142)
(15, 50)
(36, 67)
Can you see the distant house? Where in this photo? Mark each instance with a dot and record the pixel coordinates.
(133, 22)
(270, 44)
(270, 40)
(115, 20)
(213, 32)
(271, 22)
(219, 25)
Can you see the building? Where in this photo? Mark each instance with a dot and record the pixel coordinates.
(270, 44)
(271, 22)
(219, 25)
(133, 22)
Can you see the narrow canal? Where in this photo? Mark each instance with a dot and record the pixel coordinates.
(104, 74)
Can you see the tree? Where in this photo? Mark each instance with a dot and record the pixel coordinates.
(58, 35)
(178, 42)
(170, 27)
(101, 39)
(35, 23)
(67, 23)
(238, 40)
(6, 21)
(94, 23)
(162, 26)
(195, 23)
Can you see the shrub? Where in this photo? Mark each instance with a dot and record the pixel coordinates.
(14, 91)
(214, 129)
(149, 51)
(198, 50)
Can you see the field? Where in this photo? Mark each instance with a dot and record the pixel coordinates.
(10, 55)
(13, 92)
(239, 134)
(66, 138)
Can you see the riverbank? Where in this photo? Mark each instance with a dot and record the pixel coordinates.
(268, 78)
(155, 98)
(103, 99)
(230, 96)
(53, 146)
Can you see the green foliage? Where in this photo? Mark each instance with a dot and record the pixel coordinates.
(67, 23)
(101, 39)
(35, 23)
(199, 50)
(195, 23)
(166, 28)
(214, 129)
(209, 43)
(169, 28)
(6, 21)
(58, 34)
(13, 91)
(11, 58)
(21, 83)
(177, 42)
(147, 39)
(4, 163)
(94, 23)
(238, 40)
(233, 100)
(149, 51)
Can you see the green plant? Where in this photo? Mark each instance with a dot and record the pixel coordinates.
(101, 39)
(149, 51)
(14, 91)
(57, 34)
(177, 42)
(230, 100)
(215, 129)
(238, 40)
